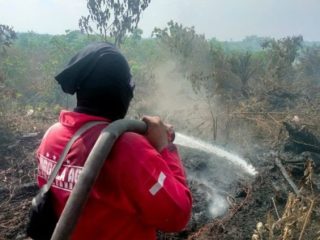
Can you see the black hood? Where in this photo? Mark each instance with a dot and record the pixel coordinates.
(100, 76)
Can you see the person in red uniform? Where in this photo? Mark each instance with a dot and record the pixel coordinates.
(142, 186)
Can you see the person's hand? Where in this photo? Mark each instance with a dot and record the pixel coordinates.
(159, 134)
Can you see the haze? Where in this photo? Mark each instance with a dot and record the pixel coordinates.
(222, 19)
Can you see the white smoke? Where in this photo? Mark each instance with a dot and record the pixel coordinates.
(218, 206)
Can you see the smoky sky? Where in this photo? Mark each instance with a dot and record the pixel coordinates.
(222, 19)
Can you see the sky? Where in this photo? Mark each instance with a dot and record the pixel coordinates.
(221, 19)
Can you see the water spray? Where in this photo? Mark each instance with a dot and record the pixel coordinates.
(218, 204)
(192, 142)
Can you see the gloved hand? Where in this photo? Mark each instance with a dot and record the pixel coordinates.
(158, 134)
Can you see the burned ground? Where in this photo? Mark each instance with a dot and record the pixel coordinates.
(250, 199)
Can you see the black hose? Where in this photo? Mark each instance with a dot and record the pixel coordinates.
(89, 174)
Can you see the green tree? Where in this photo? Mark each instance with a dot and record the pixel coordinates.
(7, 36)
(282, 54)
(310, 62)
(223, 79)
(114, 18)
(178, 39)
(190, 49)
(242, 66)
(137, 35)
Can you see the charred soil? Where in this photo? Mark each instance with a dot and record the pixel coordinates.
(262, 199)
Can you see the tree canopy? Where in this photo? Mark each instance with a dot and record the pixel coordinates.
(113, 18)
(7, 36)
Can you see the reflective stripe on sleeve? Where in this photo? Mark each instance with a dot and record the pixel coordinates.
(158, 185)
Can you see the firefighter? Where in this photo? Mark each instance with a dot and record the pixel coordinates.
(142, 186)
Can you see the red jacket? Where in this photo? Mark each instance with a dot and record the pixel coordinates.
(137, 192)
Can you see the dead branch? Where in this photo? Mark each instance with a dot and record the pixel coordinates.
(286, 176)
(276, 121)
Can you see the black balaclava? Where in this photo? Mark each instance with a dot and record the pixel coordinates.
(100, 76)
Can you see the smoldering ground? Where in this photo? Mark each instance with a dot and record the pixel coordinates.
(212, 179)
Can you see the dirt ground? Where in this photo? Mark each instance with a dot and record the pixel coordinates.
(250, 200)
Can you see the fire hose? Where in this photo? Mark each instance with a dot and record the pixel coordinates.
(90, 172)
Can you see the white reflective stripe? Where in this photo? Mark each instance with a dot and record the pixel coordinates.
(158, 185)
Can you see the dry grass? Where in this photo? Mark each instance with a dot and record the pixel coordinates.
(297, 220)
